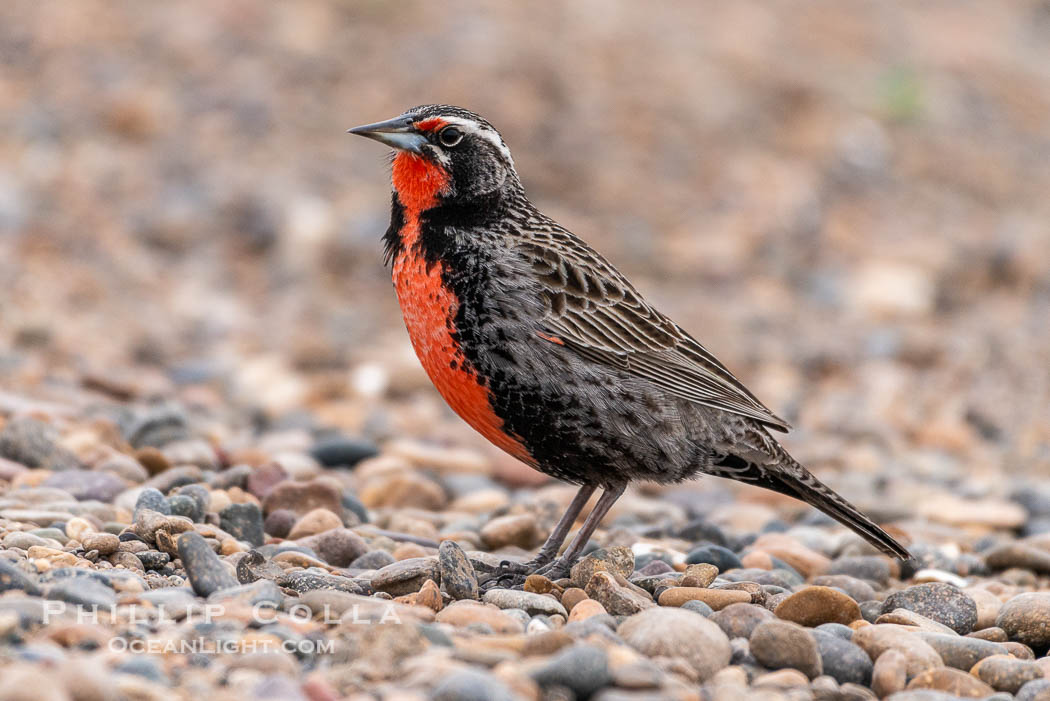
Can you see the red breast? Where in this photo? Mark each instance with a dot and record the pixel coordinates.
(429, 308)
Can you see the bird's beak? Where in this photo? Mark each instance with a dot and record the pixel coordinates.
(397, 132)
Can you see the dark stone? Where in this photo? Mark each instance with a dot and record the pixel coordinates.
(582, 668)
(182, 505)
(722, 558)
(457, 574)
(374, 560)
(13, 578)
(939, 601)
(279, 523)
(156, 427)
(702, 531)
(352, 504)
(871, 610)
(471, 685)
(82, 592)
(698, 607)
(153, 559)
(206, 572)
(152, 499)
(303, 581)
(842, 631)
(34, 443)
(342, 451)
(200, 494)
(243, 522)
(959, 651)
(841, 659)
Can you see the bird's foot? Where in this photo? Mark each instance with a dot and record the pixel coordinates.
(555, 570)
(512, 575)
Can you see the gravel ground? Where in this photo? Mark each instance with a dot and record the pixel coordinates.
(213, 430)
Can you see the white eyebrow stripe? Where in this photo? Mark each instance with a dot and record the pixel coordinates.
(473, 127)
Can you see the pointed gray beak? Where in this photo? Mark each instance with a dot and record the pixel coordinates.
(397, 132)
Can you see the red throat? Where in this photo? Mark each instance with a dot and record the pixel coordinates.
(418, 181)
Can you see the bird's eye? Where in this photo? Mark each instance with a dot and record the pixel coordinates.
(450, 136)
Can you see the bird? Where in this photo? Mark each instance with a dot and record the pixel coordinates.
(549, 352)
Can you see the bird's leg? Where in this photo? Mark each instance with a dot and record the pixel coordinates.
(513, 570)
(560, 567)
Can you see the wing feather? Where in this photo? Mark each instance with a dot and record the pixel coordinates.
(597, 313)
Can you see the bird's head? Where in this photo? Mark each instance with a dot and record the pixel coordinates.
(444, 154)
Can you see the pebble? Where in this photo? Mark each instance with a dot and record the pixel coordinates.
(314, 522)
(940, 602)
(303, 497)
(910, 618)
(721, 557)
(34, 443)
(874, 568)
(662, 632)
(151, 499)
(14, 578)
(877, 639)
(583, 669)
(406, 576)
(699, 575)
(338, 547)
(1035, 690)
(959, 651)
(205, 571)
(857, 589)
(617, 595)
(532, 603)
(471, 685)
(988, 607)
(717, 599)
(342, 451)
(304, 580)
(889, 674)
(951, 681)
(243, 522)
(182, 505)
(841, 659)
(466, 612)
(457, 574)
(782, 644)
(279, 523)
(519, 530)
(739, 620)
(1006, 673)
(815, 605)
(618, 560)
(1026, 619)
(87, 485)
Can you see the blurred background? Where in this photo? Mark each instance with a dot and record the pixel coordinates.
(846, 201)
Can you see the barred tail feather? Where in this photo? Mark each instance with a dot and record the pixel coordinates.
(809, 489)
(787, 476)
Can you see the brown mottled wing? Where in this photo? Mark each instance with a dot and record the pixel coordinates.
(596, 312)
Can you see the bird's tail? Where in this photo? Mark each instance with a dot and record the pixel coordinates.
(795, 480)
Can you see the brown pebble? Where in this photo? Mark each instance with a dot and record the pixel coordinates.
(813, 606)
(585, 609)
(717, 599)
(890, 673)
(538, 584)
(952, 681)
(518, 529)
(547, 642)
(782, 678)
(699, 575)
(573, 596)
(152, 459)
(1006, 673)
(407, 551)
(993, 634)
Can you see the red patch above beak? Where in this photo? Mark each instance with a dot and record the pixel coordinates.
(429, 125)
